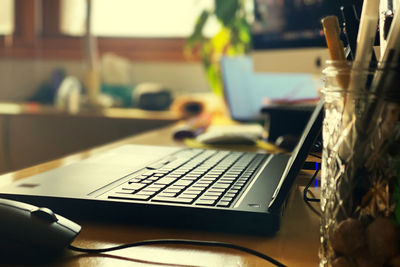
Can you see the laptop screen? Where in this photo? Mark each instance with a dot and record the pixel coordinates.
(298, 157)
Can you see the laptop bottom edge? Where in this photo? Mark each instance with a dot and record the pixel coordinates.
(215, 220)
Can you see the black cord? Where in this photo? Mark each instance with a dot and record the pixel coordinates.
(315, 155)
(306, 190)
(179, 242)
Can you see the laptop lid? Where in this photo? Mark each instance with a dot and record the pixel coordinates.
(298, 157)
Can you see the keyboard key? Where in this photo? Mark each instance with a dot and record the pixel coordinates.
(150, 189)
(129, 196)
(180, 172)
(193, 190)
(221, 186)
(208, 193)
(197, 172)
(214, 189)
(183, 182)
(211, 176)
(133, 186)
(233, 173)
(155, 187)
(208, 198)
(174, 175)
(205, 202)
(199, 186)
(165, 181)
(230, 180)
(147, 173)
(172, 190)
(165, 194)
(177, 186)
(135, 180)
(125, 191)
(162, 171)
(207, 179)
(204, 183)
(227, 199)
(190, 194)
(189, 178)
(214, 174)
(233, 191)
(173, 200)
(223, 204)
(230, 174)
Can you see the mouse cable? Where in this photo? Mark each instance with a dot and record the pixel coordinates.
(179, 242)
(306, 190)
(315, 155)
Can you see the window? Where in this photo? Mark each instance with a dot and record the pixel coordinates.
(6, 17)
(136, 18)
(141, 30)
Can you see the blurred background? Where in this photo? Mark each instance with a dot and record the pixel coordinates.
(76, 73)
(38, 37)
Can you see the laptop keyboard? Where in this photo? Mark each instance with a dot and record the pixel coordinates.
(199, 177)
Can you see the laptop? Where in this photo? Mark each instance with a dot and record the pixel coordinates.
(247, 92)
(213, 190)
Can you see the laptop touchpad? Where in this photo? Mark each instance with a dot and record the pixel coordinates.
(79, 179)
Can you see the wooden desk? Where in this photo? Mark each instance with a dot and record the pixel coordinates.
(296, 244)
(49, 133)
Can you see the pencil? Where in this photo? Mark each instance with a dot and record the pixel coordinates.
(331, 28)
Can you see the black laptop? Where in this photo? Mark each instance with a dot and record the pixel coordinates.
(175, 187)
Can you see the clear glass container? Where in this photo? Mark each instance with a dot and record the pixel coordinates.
(360, 191)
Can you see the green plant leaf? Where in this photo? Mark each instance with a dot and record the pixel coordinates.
(221, 40)
(234, 38)
(225, 10)
(206, 54)
(197, 35)
(214, 78)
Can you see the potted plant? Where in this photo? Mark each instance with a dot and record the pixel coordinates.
(233, 38)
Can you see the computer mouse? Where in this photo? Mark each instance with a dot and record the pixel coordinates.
(30, 234)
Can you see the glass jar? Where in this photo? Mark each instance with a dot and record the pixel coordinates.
(360, 190)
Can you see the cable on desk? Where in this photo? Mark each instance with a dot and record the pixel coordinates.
(315, 155)
(306, 190)
(179, 242)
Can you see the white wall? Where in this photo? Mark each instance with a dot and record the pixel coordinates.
(19, 79)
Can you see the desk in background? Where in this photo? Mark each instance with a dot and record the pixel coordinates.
(31, 134)
(296, 244)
